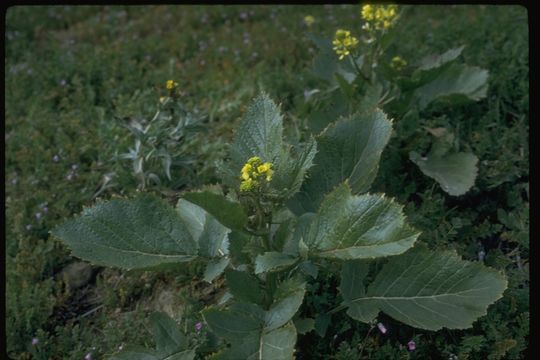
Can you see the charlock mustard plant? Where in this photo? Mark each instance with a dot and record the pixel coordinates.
(269, 249)
(379, 16)
(343, 43)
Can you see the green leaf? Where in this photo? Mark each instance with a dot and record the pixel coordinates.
(426, 289)
(457, 79)
(137, 233)
(304, 325)
(435, 60)
(210, 234)
(170, 342)
(272, 261)
(291, 169)
(348, 149)
(259, 133)
(289, 296)
(328, 110)
(244, 286)
(350, 227)
(455, 172)
(231, 214)
(168, 337)
(237, 322)
(214, 268)
(352, 286)
(278, 344)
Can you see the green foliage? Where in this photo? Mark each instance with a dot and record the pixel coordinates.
(170, 342)
(423, 289)
(67, 98)
(256, 319)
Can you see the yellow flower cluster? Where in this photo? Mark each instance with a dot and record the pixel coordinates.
(252, 171)
(398, 63)
(170, 85)
(309, 20)
(343, 43)
(379, 16)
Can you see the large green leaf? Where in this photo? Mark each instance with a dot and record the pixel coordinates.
(257, 334)
(259, 133)
(136, 233)
(291, 168)
(455, 172)
(244, 286)
(348, 149)
(273, 261)
(168, 337)
(425, 289)
(225, 211)
(215, 267)
(243, 325)
(171, 344)
(437, 60)
(350, 227)
(289, 296)
(456, 79)
(210, 234)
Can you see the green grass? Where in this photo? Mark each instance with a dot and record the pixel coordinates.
(73, 73)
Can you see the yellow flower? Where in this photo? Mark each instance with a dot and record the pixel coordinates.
(343, 43)
(367, 12)
(170, 84)
(269, 174)
(248, 185)
(309, 20)
(379, 16)
(398, 63)
(254, 160)
(252, 171)
(264, 168)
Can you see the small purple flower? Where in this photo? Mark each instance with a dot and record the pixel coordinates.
(198, 326)
(39, 215)
(35, 341)
(243, 15)
(28, 227)
(88, 356)
(14, 181)
(63, 82)
(45, 209)
(74, 167)
(69, 177)
(56, 158)
(411, 345)
(381, 327)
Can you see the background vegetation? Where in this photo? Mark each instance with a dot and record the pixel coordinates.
(76, 75)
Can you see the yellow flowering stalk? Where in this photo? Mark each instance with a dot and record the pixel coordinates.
(309, 20)
(252, 171)
(343, 43)
(398, 63)
(379, 16)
